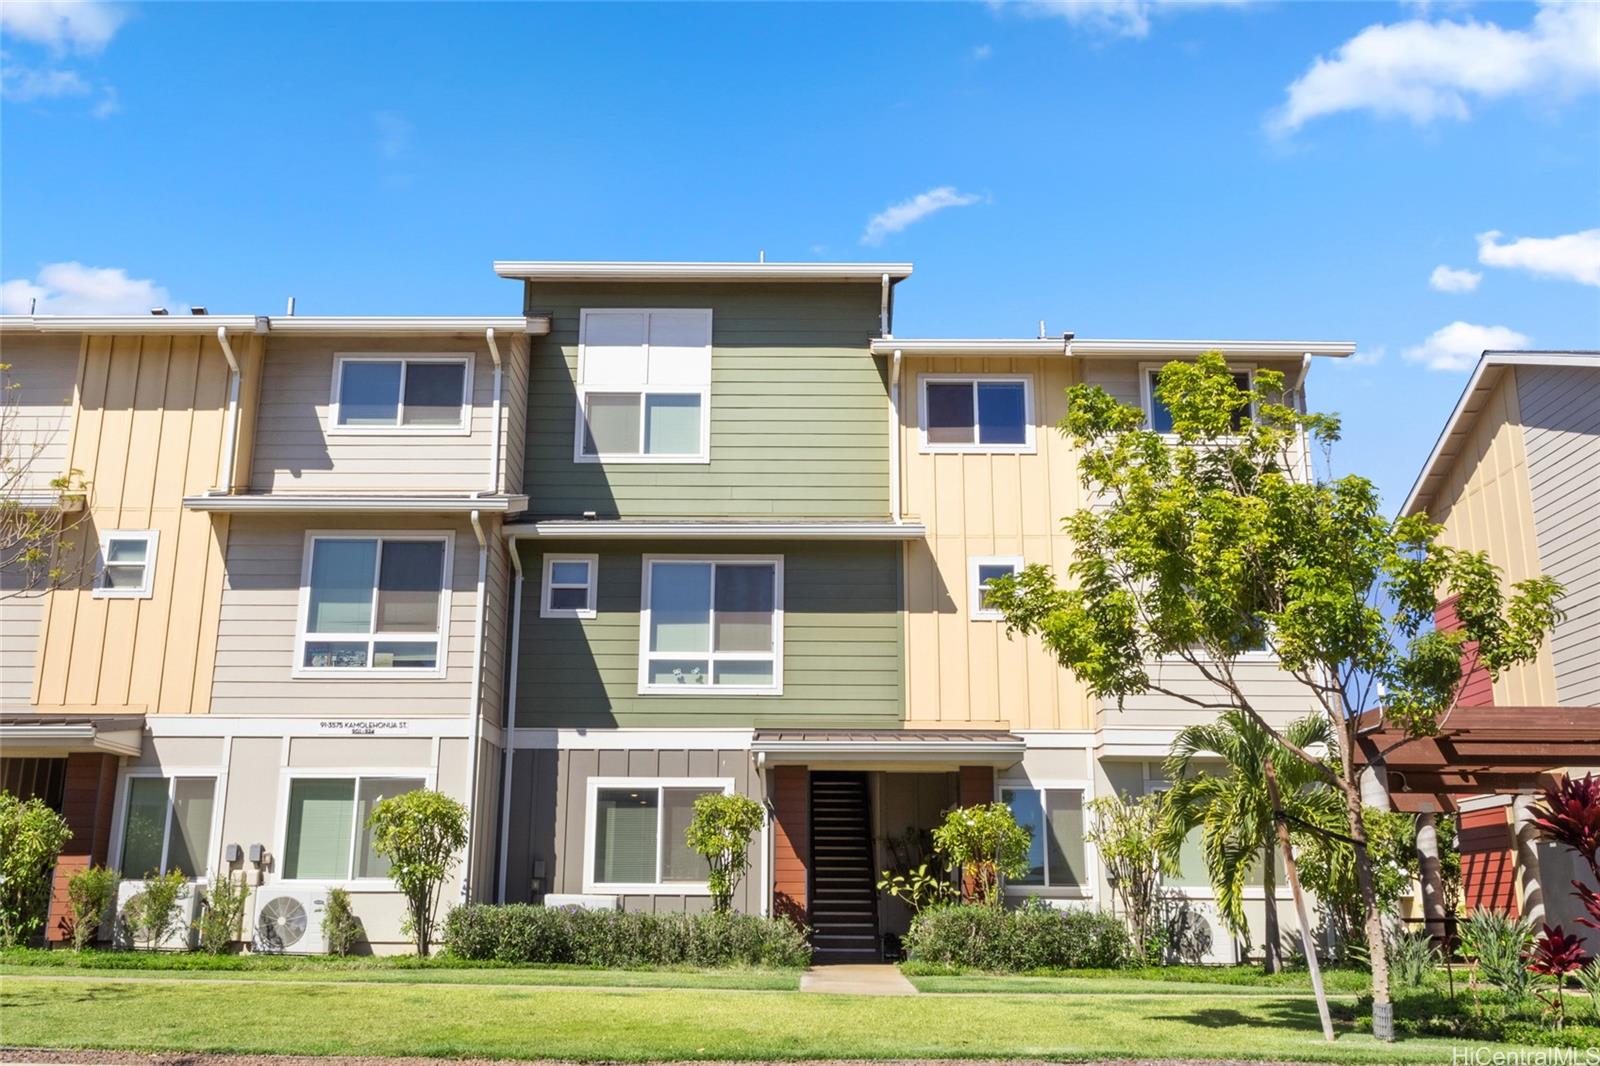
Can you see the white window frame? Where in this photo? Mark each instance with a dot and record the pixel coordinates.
(1029, 445)
(399, 428)
(1147, 394)
(1091, 858)
(119, 824)
(370, 672)
(591, 827)
(775, 689)
(642, 390)
(152, 539)
(288, 775)
(975, 609)
(547, 583)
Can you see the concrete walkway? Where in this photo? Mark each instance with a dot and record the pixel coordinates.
(877, 979)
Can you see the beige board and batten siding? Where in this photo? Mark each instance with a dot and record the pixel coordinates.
(255, 647)
(298, 449)
(549, 816)
(148, 431)
(1561, 430)
(961, 671)
(1486, 504)
(799, 406)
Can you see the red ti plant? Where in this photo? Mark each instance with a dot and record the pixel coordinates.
(1569, 813)
(1555, 955)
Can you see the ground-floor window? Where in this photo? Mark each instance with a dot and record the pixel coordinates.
(167, 826)
(325, 833)
(636, 834)
(1054, 817)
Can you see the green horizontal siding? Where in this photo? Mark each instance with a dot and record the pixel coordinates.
(799, 407)
(842, 644)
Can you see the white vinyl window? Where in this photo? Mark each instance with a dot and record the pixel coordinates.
(569, 586)
(712, 626)
(977, 413)
(1053, 818)
(981, 570)
(1158, 418)
(374, 603)
(636, 840)
(166, 826)
(325, 834)
(412, 394)
(644, 386)
(127, 564)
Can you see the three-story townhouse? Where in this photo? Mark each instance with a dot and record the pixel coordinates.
(288, 600)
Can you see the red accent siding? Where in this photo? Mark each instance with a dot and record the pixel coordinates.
(1477, 689)
(1488, 862)
(791, 840)
(88, 797)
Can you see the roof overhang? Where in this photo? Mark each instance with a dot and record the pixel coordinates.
(313, 325)
(1110, 348)
(1480, 386)
(537, 270)
(962, 346)
(914, 749)
(378, 325)
(628, 529)
(48, 735)
(248, 503)
(127, 324)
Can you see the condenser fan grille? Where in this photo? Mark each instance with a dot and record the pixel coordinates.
(281, 922)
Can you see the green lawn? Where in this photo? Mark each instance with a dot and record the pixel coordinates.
(307, 1015)
(1197, 979)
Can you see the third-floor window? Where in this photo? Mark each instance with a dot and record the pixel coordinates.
(977, 413)
(644, 386)
(415, 394)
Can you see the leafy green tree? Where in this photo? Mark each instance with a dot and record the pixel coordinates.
(986, 844)
(720, 831)
(31, 839)
(1220, 538)
(1126, 832)
(1233, 811)
(1327, 866)
(420, 833)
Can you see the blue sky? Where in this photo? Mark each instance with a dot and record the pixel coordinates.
(1253, 170)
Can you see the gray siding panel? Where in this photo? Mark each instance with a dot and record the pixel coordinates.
(1561, 427)
(39, 382)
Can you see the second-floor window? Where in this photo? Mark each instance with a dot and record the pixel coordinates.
(1156, 412)
(981, 570)
(414, 394)
(644, 386)
(977, 413)
(127, 564)
(374, 603)
(712, 626)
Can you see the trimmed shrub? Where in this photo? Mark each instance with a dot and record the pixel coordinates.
(93, 894)
(525, 934)
(221, 914)
(31, 839)
(340, 926)
(1035, 936)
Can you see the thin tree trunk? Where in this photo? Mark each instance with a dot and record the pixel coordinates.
(1274, 946)
(1377, 954)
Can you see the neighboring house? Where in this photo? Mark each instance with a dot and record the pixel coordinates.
(1516, 474)
(678, 528)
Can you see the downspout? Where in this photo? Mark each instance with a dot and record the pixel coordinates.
(230, 427)
(894, 437)
(494, 451)
(883, 310)
(511, 712)
(475, 723)
(1299, 398)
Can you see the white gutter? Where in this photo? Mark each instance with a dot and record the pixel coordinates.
(971, 346)
(494, 452)
(230, 426)
(157, 324)
(545, 270)
(265, 503)
(407, 324)
(894, 437)
(511, 712)
(589, 529)
(1081, 346)
(475, 709)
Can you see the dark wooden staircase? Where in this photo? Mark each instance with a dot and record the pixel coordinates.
(844, 894)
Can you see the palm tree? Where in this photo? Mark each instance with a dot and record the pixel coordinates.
(1232, 808)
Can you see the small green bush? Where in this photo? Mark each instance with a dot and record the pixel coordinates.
(720, 832)
(150, 915)
(92, 892)
(421, 833)
(31, 839)
(1499, 944)
(1412, 957)
(221, 914)
(524, 934)
(340, 926)
(1035, 936)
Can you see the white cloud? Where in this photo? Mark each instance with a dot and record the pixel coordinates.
(1458, 345)
(1449, 279)
(394, 134)
(1572, 257)
(897, 217)
(84, 26)
(110, 103)
(20, 84)
(1116, 18)
(982, 52)
(1365, 356)
(1425, 70)
(74, 289)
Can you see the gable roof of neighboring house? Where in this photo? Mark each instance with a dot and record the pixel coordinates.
(1486, 375)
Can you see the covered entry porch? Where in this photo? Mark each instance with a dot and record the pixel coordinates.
(847, 805)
